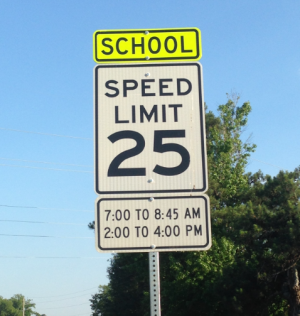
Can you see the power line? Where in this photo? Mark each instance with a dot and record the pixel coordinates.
(46, 162)
(85, 138)
(41, 236)
(32, 257)
(41, 133)
(2, 205)
(63, 299)
(45, 208)
(35, 222)
(92, 288)
(266, 163)
(56, 169)
(66, 306)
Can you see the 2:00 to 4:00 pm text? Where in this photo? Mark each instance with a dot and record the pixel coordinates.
(143, 231)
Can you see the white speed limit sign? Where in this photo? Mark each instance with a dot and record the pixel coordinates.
(149, 129)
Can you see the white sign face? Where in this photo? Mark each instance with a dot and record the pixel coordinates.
(163, 224)
(149, 129)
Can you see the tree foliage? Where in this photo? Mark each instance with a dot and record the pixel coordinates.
(14, 306)
(266, 232)
(227, 154)
(252, 267)
(129, 286)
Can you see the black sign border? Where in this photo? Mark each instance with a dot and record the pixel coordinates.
(197, 56)
(203, 149)
(161, 247)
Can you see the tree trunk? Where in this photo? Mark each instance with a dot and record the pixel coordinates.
(294, 286)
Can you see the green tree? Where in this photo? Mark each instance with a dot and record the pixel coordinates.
(14, 306)
(127, 293)
(266, 231)
(102, 302)
(7, 308)
(227, 154)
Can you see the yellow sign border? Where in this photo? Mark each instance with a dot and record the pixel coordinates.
(152, 59)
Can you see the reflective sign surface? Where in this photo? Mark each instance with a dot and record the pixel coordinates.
(149, 129)
(151, 45)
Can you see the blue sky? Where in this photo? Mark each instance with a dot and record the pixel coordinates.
(46, 79)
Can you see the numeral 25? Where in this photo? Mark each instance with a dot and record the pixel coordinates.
(115, 171)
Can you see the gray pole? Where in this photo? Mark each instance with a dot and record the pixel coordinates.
(154, 280)
(23, 306)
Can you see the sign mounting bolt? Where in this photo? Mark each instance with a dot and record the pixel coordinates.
(153, 246)
(147, 58)
(150, 181)
(151, 199)
(146, 32)
(147, 74)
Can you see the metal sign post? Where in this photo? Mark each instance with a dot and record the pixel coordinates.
(154, 280)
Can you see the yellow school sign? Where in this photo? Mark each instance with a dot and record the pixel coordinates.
(148, 45)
